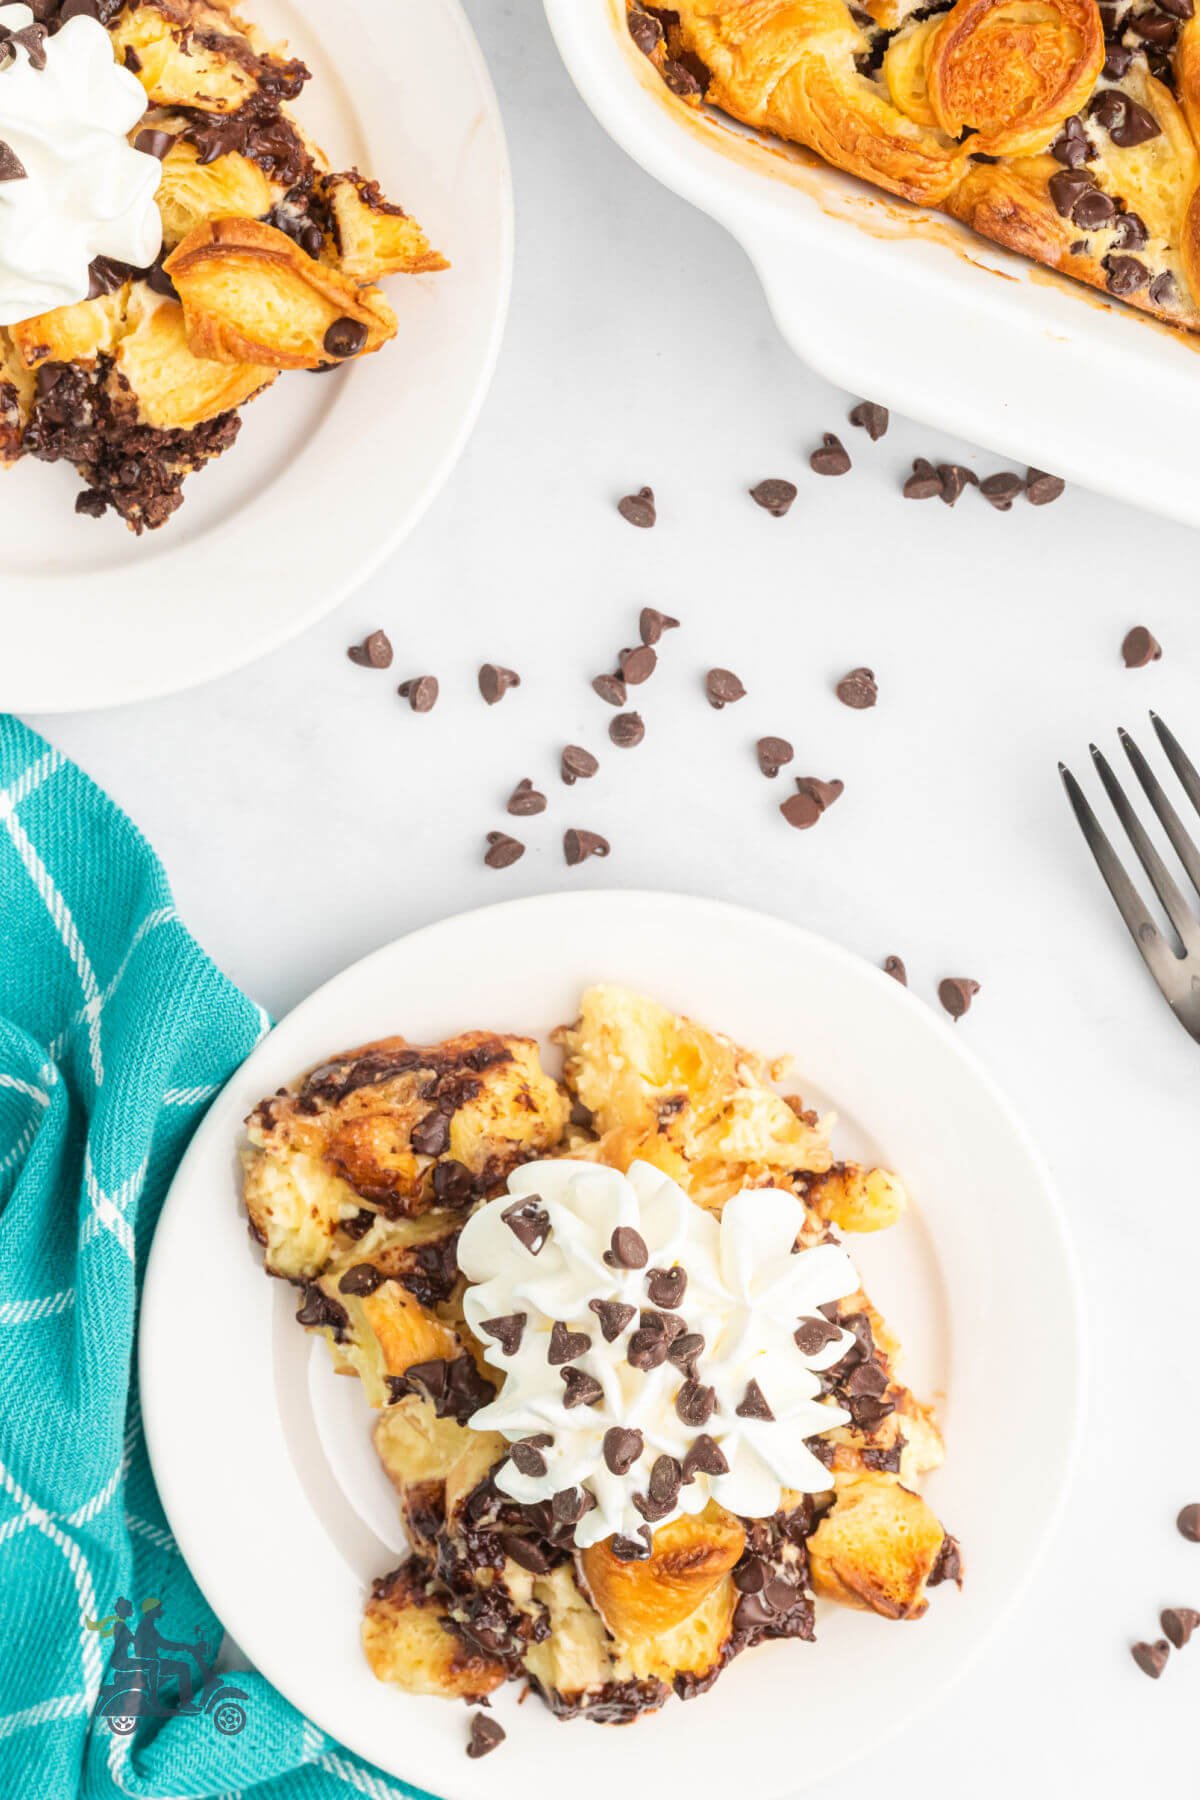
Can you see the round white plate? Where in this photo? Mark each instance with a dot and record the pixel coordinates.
(329, 472)
(978, 1281)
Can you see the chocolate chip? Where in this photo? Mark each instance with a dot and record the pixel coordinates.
(955, 478)
(774, 496)
(613, 1315)
(894, 966)
(1179, 1622)
(11, 166)
(421, 692)
(956, 993)
(651, 1509)
(525, 800)
(680, 80)
(362, 1279)
(579, 845)
(666, 1287)
(1164, 292)
(647, 1350)
(652, 624)
(811, 799)
(668, 1324)
(627, 1249)
(1151, 1659)
(525, 1553)
(686, 1351)
(494, 682)
(1094, 210)
(1001, 490)
(666, 1479)
(1072, 147)
(452, 1183)
(645, 31)
(431, 1135)
(637, 665)
(507, 1331)
(1140, 647)
(723, 688)
(569, 1505)
(375, 651)
(1117, 62)
(502, 851)
(773, 753)
(627, 730)
(704, 1457)
(868, 1410)
(752, 1613)
(610, 688)
(1155, 27)
(627, 1549)
(154, 143)
(526, 1455)
(1125, 275)
(868, 1378)
(753, 1404)
(872, 418)
(577, 764)
(486, 1735)
(567, 1346)
(695, 1404)
(1040, 488)
(832, 458)
(858, 689)
(529, 1222)
(1130, 232)
(582, 1389)
(813, 1335)
(639, 508)
(1188, 1523)
(622, 1447)
(751, 1575)
(924, 482)
(345, 337)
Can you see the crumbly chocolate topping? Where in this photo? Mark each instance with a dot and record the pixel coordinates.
(449, 1075)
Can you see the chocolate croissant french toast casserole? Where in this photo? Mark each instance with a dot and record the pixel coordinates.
(639, 1414)
(171, 240)
(1063, 129)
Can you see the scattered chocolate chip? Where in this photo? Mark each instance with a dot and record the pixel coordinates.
(956, 993)
(832, 458)
(858, 689)
(666, 1287)
(894, 966)
(529, 1222)
(567, 1346)
(453, 1184)
(1188, 1523)
(627, 1549)
(1178, 1623)
(685, 1352)
(639, 509)
(924, 482)
(507, 1331)
(613, 1315)
(1125, 275)
(582, 1389)
(627, 1249)
(622, 1447)
(872, 418)
(154, 143)
(955, 478)
(645, 31)
(502, 851)
(525, 800)
(11, 166)
(1068, 187)
(814, 1335)
(627, 730)
(666, 1479)
(579, 845)
(773, 753)
(1130, 232)
(1040, 488)
(1073, 147)
(1140, 647)
(431, 1135)
(1151, 1659)
(774, 496)
(494, 682)
(647, 1350)
(1001, 490)
(1094, 211)
(486, 1735)
(704, 1457)
(569, 1505)
(526, 1455)
(610, 688)
(375, 651)
(652, 624)
(1164, 292)
(525, 1553)
(723, 688)
(668, 1325)
(811, 799)
(362, 1279)
(637, 665)
(651, 1509)
(1117, 63)
(753, 1404)
(421, 692)
(345, 337)
(577, 764)
(695, 1403)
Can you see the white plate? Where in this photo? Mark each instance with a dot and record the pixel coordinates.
(908, 307)
(329, 472)
(266, 1470)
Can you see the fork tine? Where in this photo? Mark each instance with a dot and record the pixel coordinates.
(1188, 778)
(1171, 823)
(1144, 932)
(1163, 882)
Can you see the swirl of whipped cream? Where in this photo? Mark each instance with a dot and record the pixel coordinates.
(542, 1270)
(71, 187)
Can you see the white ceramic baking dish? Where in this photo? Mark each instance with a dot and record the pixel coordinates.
(909, 308)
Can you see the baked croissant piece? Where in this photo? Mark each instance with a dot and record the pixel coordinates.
(1062, 129)
(358, 1183)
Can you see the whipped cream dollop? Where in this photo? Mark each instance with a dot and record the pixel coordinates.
(653, 1354)
(71, 187)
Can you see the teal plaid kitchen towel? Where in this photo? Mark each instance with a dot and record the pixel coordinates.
(116, 1030)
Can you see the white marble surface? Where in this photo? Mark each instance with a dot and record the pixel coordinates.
(305, 815)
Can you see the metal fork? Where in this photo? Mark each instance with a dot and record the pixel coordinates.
(1177, 973)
